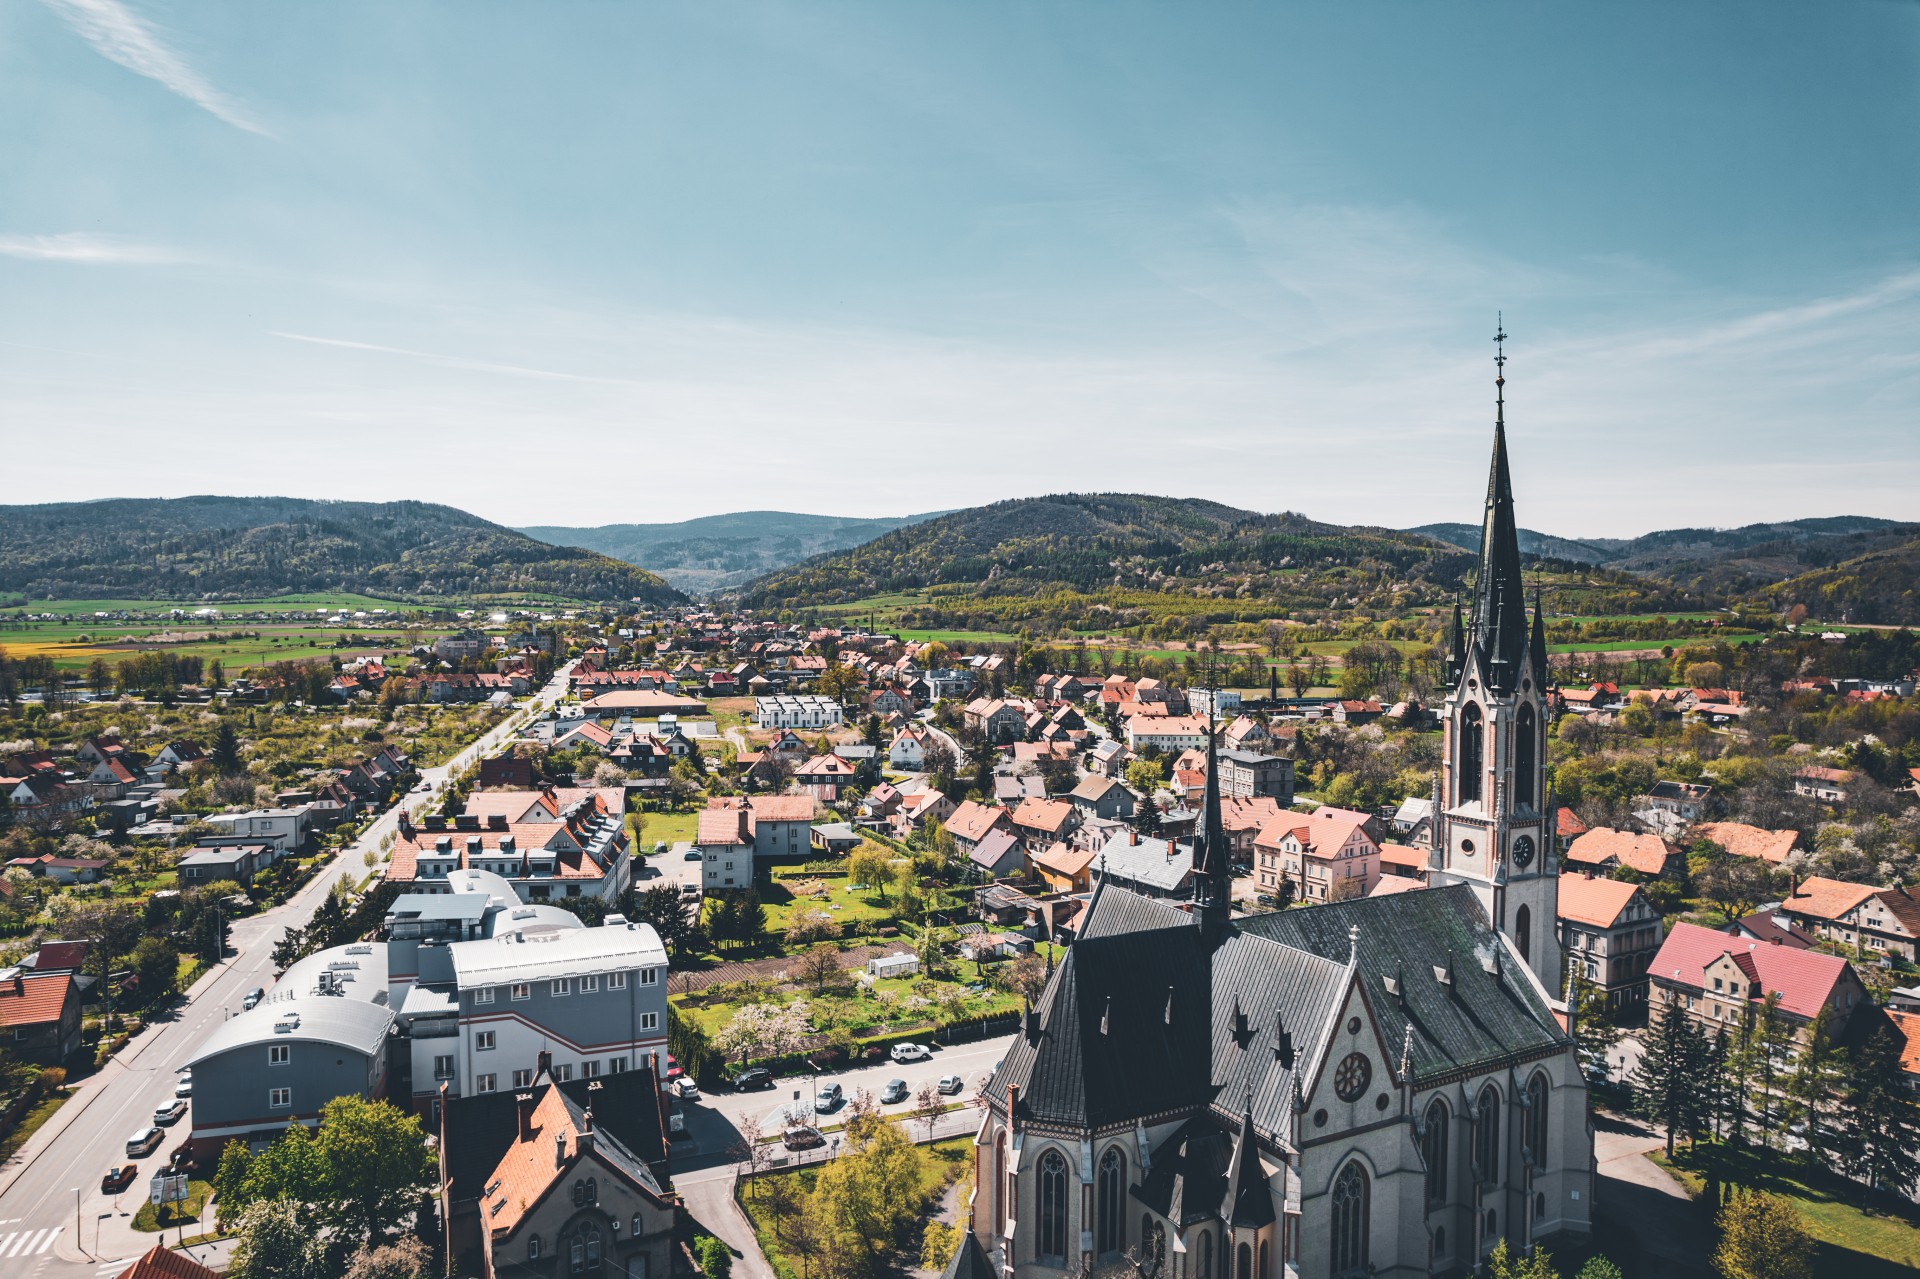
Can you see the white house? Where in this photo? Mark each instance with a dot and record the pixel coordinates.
(791, 710)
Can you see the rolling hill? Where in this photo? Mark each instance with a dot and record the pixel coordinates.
(716, 552)
(1112, 559)
(1879, 587)
(1541, 545)
(195, 547)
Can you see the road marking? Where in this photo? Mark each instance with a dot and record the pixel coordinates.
(28, 1243)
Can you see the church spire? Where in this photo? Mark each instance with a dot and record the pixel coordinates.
(1212, 858)
(1499, 593)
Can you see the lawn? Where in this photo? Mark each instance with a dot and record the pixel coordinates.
(41, 1112)
(1651, 645)
(847, 904)
(671, 827)
(1854, 1243)
(149, 1220)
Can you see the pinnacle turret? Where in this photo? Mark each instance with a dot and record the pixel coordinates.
(1499, 593)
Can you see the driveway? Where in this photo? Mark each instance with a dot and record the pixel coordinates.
(1652, 1229)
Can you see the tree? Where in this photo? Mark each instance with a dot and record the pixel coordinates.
(869, 1197)
(404, 1258)
(666, 908)
(1666, 1082)
(1594, 1030)
(818, 967)
(1761, 1237)
(870, 866)
(1599, 1268)
(1816, 1075)
(1026, 976)
(929, 1104)
(376, 1166)
(716, 1259)
(226, 750)
(275, 1240)
(1879, 1119)
(1502, 1264)
(230, 1180)
(1146, 818)
(156, 967)
(762, 1030)
(1145, 776)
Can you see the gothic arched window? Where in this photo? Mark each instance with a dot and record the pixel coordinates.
(1053, 1208)
(1535, 1136)
(1203, 1258)
(1245, 1255)
(1000, 1186)
(583, 1251)
(1350, 1224)
(1472, 753)
(1523, 931)
(1435, 1149)
(1111, 1223)
(1265, 1260)
(1486, 1135)
(1526, 752)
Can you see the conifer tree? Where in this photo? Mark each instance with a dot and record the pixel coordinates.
(1880, 1121)
(1665, 1084)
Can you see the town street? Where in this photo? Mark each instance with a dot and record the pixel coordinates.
(54, 1220)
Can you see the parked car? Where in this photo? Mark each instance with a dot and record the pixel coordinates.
(828, 1099)
(685, 1089)
(185, 1087)
(144, 1142)
(659, 846)
(803, 1139)
(254, 996)
(950, 1085)
(758, 1077)
(693, 855)
(895, 1091)
(912, 1052)
(118, 1179)
(169, 1113)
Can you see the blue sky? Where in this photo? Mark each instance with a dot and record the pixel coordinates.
(585, 263)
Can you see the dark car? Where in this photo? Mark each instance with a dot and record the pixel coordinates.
(118, 1179)
(802, 1139)
(748, 1080)
(254, 996)
(894, 1092)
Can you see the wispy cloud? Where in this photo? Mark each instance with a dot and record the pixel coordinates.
(123, 36)
(80, 246)
(456, 361)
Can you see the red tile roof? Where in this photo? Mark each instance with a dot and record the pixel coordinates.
(972, 821)
(780, 808)
(161, 1262)
(1907, 1026)
(1043, 814)
(35, 1001)
(1821, 898)
(719, 826)
(1804, 979)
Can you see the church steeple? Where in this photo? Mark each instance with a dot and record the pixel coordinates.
(1212, 856)
(1499, 594)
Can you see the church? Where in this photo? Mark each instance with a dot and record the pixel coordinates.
(1377, 1087)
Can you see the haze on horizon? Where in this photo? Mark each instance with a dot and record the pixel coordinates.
(578, 266)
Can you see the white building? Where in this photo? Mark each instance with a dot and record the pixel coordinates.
(284, 828)
(796, 710)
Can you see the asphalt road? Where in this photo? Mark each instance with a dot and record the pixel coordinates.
(54, 1220)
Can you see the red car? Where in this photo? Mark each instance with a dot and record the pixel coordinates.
(118, 1179)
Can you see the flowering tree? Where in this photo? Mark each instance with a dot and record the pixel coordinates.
(762, 1030)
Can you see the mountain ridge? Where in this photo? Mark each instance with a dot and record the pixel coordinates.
(211, 545)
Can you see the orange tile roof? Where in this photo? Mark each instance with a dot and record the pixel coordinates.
(1044, 814)
(1403, 855)
(1647, 854)
(972, 820)
(1248, 814)
(1908, 1026)
(1750, 841)
(1823, 898)
(719, 826)
(1063, 860)
(1594, 901)
(34, 1001)
(1390, 884)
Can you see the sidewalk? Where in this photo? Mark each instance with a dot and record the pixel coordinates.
(709, 1201)
(1645, 1207)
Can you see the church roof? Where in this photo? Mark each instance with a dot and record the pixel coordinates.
(1188, 1180)
(1119, 1031)
(1409, 939)
(1249, 1199)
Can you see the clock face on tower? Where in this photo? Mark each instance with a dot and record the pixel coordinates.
(1523, 851)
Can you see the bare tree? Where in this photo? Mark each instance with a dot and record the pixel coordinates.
(928, 1106)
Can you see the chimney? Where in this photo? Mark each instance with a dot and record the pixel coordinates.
(523, 1107)
(583, 1140)
(543, 1065)
(560, 1149)
(1133, 836)
(406, 824)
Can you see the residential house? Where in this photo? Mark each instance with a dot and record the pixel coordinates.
(1042, 822)
(1242, 820)
(1770, 846)
(781, 825)
(1108, 758)
(62, 870)
(1864, 919)
(162, 1262)
(908, 750)
(972, 822)
(1246, 734)
(823, 776)
(725, 846)
(1063, 868)
(40, 1016)
(585, 854)
(1329, 854)
(1687, 801)
(1413, 820)
(1402, 861)
(1604, 848)
(1146, 865)
(998, 720)
(1010, 788)
(1355, 711)
(1166, 733)
(282, 829)
(917, 809)
(835, 839)
(209, 864)
(1720, 980)
(1773, 928)
(1103, 797)
(998, 853)
(1828, 785)
(180, 754)
(1248, 774)
(1611, 931)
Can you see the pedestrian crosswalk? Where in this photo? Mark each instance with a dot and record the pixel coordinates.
(27, 1243)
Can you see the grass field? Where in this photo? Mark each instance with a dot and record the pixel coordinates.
(1651, 645)
(670, 827)
(1854, 1243)
(271, 644)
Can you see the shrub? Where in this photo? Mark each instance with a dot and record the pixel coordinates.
(715, 1258)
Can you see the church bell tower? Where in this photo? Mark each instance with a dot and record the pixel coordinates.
(1494, 828)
